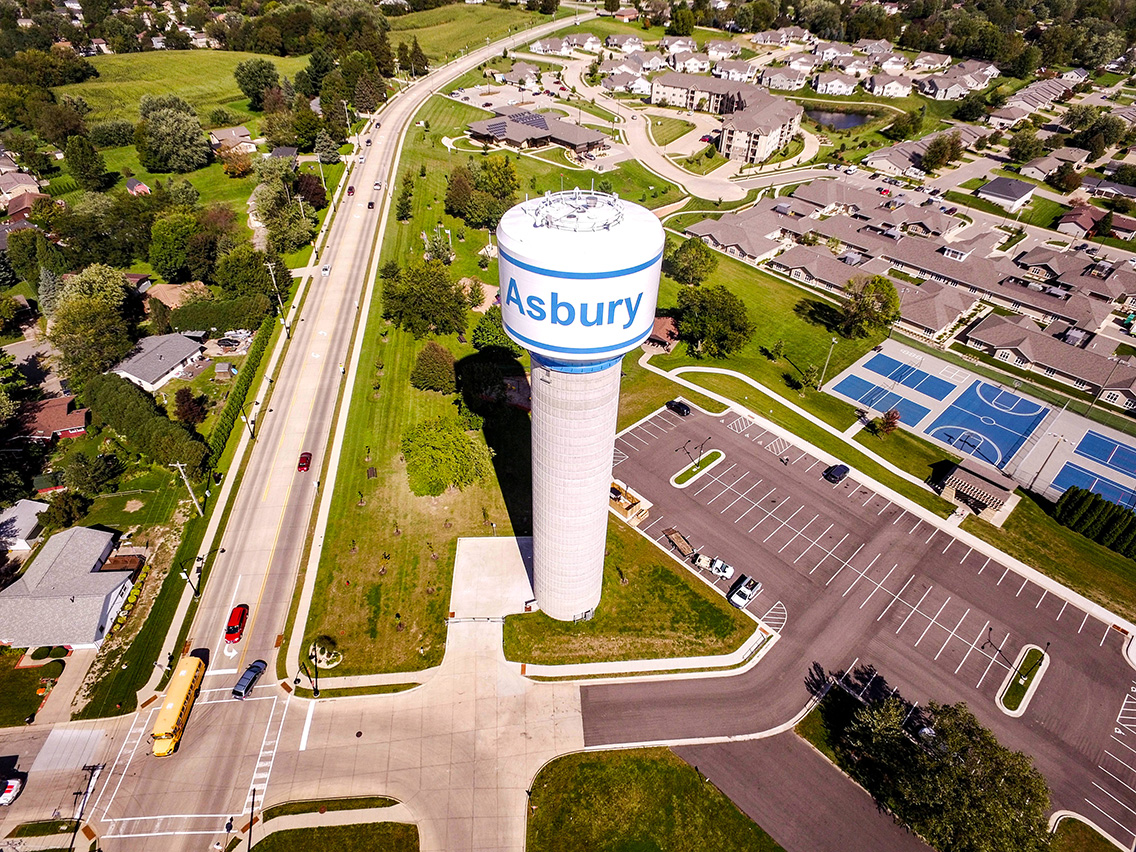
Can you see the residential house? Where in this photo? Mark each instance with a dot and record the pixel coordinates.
(1042, 167)
(705, 94)
(887, 86)
(550, 47)
(932, 309)
(677, 44)
(1075, 76)
(690, 63)
(100, 45)
(20, 207)
(892, 63)
(19, 525)
(1101, 188)
(236, 139)
(734, 69)
(1082, 220)
(64, 597)
(930, 62)
(14, 184)
(719, 49)
(156, 360)
(522, 75)
(828, 51)
(626, 16)
(834, 83)
(1006, 117)
(584, 41)
(1007, 192)
(855, 65)
(873, 46)
(624, 42)
(798, 34)
(45, 420)
(940, 87)
(785, 79)
(978, 68)
(1040, 94)
(158, 42)
(816, 266)
(7, 164)
(286, 152)
(805, 61)
(10, 227)
(624, 82)
(775, 37)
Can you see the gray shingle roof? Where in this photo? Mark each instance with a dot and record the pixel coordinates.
(154, 357)
(19, 521)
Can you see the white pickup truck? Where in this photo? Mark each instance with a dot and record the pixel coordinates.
(744, 591)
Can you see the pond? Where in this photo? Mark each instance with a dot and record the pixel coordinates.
(839, 120)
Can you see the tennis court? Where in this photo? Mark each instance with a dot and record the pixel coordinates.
(910, 377)
(881, 399)
(988, 423)
(1073, 476)
(1120, 457)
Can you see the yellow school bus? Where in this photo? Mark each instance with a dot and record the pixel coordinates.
(174, 712)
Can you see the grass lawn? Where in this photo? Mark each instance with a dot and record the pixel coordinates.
(601, 28)
(635, 801)
(699, 163)
(694, 469)
(1043, 212)
(18, 698)
(663, 611)
(372, 837)
(974, 183)
(44, 828)
(1029, 534)
(444, 32)
(977, 203)
(1072, 835)
(213, 184)
(308, 806)
(158, 492)
(202, 77)
(1012, 698)
(666, 130)
(642, 391)
(907, 451)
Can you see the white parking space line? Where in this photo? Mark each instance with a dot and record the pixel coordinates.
(1107, 628)
(914, 528)
(1108, 815)
(782, 524)
(902, 512)
(969, 551)
(953, 633)
(1044, 592)
(993, 659)
(651, 524)
(630, 446)
(811, 466)
(885, 506)
(812, 542)
(798, 532)
(637, 438)
(1121, 742)
(949, 543)
(710, 480)
(895, 597)
(1003, 577)
(740, 496)
(755, 505)
(1083, 620)
(729, 488)
(842, 564)
(932, 621)
(879, 586)
(973, 645)
(869, 500)
(859, 576)
(931, 536)
(914, 609)
(1114, 798)
(1122, 763)
(1022, 589)
(1062, 611)
(984, 564)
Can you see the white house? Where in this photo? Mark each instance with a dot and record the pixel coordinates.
(690, 63)
(892, 63)
(677, 44)
(63, 598)
(942, 88)
(19, 525)
(930, 62)
(734, 69)
(830, 50)
(156, 360)
(887, 86)
(1007, 192)
(624, 43)
(804, 61)
(834, 83)
(873, 46)
(550, 47)
(718, 49)
(584, 41)
(1076, 75)
(855, 65)
(785, 79)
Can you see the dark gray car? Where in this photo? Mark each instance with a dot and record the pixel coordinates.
(249, 678)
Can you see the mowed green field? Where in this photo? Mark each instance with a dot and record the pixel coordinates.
(444, 32)
(202, 77)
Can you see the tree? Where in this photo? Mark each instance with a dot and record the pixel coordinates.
(1066, 178)
(611, 6)
(423, 299)
(906, 125)
(309, 80)
(691, 262)
(971, 108)
(66, 509)
(159, 316)
(171, 141)
(310, 188)
(936, 154)
(234, 163)
(50, 289)
(242, 272)
(255, 77)
(169, 243)
(333, 98)
(1025, 146)
(682, 22)
(306, 125)
(873, 304)
(434, 370)
(1079, 116)
(713, 321)
(489, 333)
(438, 248)
(326, 149)
(440, 455)
(89, 476)
(85, 163)
(778, 349)
(91, 336)
(419, 64)
(890, 421)
(1104, 226)
(189, 407)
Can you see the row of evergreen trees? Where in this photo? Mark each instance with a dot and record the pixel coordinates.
(1094, 517)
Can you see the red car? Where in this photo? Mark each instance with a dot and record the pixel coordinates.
(235, 629)
(304, 463)
(350, 190)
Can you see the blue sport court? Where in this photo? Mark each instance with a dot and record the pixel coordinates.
(1072, 476)
(910, 377)
(1120, 457)
(988, 423)
(881, 399)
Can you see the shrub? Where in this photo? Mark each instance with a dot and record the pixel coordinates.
(434, 370)
(439, 454)
(58, 652)
(242, 312)
(224, 425)
(40, 653)
(52, 670)
(112, 134)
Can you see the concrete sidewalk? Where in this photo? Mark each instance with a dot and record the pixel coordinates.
(360, 816)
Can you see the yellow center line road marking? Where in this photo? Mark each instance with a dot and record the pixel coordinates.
(264, 581)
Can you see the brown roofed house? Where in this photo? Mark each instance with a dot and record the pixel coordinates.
(48, 419)
(664, 333)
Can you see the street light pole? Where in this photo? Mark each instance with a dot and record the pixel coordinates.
(272, 273)
(826, 360)
(196, 590)
(248, 419)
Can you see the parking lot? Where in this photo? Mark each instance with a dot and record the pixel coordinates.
(852, 579)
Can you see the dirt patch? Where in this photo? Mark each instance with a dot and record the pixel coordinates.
(133, 505)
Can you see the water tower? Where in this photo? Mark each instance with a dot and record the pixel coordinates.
(579, 274)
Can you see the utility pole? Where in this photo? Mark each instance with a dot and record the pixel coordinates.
(826, 360)
(181, 469)
(283, 318)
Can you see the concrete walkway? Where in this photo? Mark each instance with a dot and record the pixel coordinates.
(359, 816)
